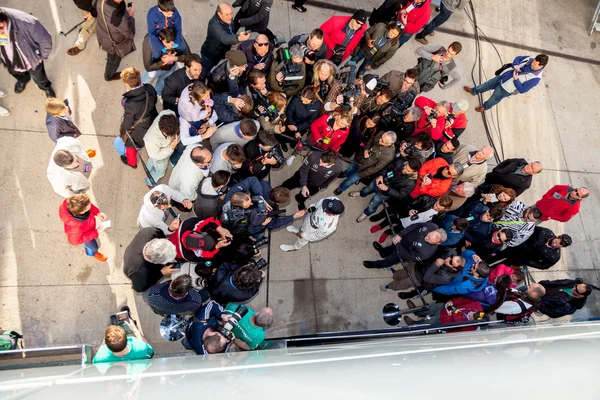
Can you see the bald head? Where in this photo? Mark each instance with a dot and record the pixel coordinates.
(536, 291)
(225, 12)
(533, 168)
(485, 153)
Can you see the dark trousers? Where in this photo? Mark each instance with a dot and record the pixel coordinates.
(237, 26)
(207, 65)
(293, 183)
(112, 65)
(390, 257)
(439, 19)
(299, 3)
(38, 74)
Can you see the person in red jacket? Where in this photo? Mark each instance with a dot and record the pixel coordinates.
(330, 131)
(561, 203)
(197, 240)
(342, 35)
(435, 178)
(413, 16)
(433, 126)
(82, 223)
(456, 120)
(453, 311)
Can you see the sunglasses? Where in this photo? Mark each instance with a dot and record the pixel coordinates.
(261, 44)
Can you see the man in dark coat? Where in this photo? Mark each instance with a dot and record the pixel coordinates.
(220, 37)
(254, 16)
(259, 53)
(514, 173)
(147, 259)
(564, 297)
(24, 48)
(115, 31)
(540, 251)
(179, 80)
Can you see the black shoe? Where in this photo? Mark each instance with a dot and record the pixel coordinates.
(407, 295)
(337, 191)
(301, 206)
(284, 147)
(410, 304)
(374, 218)
(50, 92)
(19, 87)
(377, 247)
(369, 264)
(302, 9)
(124, 161)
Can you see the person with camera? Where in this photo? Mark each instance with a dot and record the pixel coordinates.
(362, 128)
(343, 34)
(199, 240)
(436, 65)
(139, 112)
(395, 182)
(379, 151)
(401, 83)
(148, 258)
(256, 88)
(160, 64)
(175, 296)
(272, 113)
(373, 101)
(330, 131)
(460, 193)
(320, 221)
(197, 118)
(83, 223)
(262, 153)
(377, 46)
(219, 38)
(404, 123)
(302, 110)
(226, 77)
(179, 80)
(288, 72)
(313, 47)
(155, 209)
(161, 139)
(228, 157)
(259, 53)
(205, 334)
(211, 194)
(435, 178)
(69, 167)
(316, 173)
(434, 117)
(254, 16)
(519, 77)
(419, 146)
(161, 16)
(250, 330)
(456, 120)
(121, 346)
(489, 247)
(236, 283)
(115, 32)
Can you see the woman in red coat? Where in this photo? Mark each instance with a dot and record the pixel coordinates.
(83, 222)
(340, 31)
(330, 131)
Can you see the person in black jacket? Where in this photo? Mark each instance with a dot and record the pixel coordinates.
(179, 80)
(314, 49)
(488, 248)
(563, 297)
(87, 28)
(226, 77)
(231, 109)
(514, 173)
(219, 38)
(211, 193)
(318, 170)
(235, 284)
(301, 111)
(541, 251)
(254, 16)
(259, 53)
(260, 156)
(139, 104)
(361, 130)
(446, 150)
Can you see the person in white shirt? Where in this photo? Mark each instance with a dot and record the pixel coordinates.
(319, 222)
(196, 117)
(228, 157)
(240, 132)
(161, 139)
(69, 167)
(154, 211)
(190, 170)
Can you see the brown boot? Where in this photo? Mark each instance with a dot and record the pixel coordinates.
(116, 77)
(479, 109)
(410, 304)
(73, 51)
(422, 41)
(409, 321)
(467, 89)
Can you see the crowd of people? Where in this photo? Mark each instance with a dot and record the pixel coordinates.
(222, 119)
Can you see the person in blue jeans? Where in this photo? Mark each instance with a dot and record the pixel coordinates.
(447, 8)
(396, 181)
(524, 74)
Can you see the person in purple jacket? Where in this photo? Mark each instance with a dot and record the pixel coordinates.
(164, 15)
(521, 76)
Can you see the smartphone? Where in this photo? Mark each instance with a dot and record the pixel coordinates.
(106, 224)
(178, 217)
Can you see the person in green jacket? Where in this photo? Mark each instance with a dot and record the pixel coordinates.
(251, 329)
(118, 346)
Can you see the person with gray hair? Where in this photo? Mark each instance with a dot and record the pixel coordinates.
(288, 75)
(433, 118)
(405, 126)
(459, 194)
(250, 330)
(378, 152)
(148, 259)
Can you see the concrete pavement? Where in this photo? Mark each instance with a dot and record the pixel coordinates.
(56, 295)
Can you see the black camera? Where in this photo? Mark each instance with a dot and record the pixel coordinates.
(258, 264)
(309, 54)
(350, 90)
(260, 206)
(396, 110)
(291, 71)
(261, 242)
(450, 119)
(388, 177)
(433, 115)
(274, 153)
(443, 79)
(338, 53)
(233, 321)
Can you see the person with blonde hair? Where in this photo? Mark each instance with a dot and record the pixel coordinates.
(83, 222)
(58, 119)
(330, 131)
(139, 112)
(324, 80)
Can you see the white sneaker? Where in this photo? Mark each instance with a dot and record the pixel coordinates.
(287, 247)
(292, 229)
(290, 160)
(354, 193)
(4, 112)
(361, 217)
(2, 94)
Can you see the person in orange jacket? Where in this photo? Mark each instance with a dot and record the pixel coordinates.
(342, 35)
(561, 202)
(435, 178)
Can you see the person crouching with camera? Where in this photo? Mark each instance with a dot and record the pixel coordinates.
(119, 345)
(200, 240)
(288, 72)
(262, 154)
(250, 330)
(237, 283)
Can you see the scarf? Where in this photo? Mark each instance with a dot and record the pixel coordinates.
(118, 13)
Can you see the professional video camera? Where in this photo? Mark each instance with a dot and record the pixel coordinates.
(258, 264)
(291, 71)
(396, 109)
(338, 52)
(350, 90)
(235, 215)
(233, 321)
(270, 111)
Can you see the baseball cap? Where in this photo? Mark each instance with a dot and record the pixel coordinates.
(333, 206)
(236, 58)
(461, 105)
(360, 16)
(197, 241)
